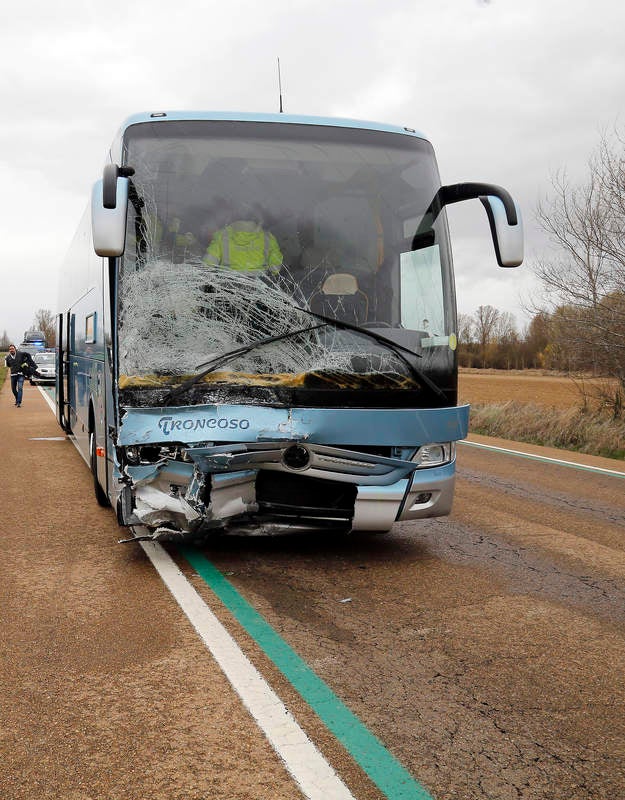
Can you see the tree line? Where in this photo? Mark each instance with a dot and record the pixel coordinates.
(489, 339)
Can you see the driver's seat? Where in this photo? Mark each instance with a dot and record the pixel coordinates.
(339, 296)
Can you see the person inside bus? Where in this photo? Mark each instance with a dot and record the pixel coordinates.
(244, 245)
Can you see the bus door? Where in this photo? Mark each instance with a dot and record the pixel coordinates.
(63, 372)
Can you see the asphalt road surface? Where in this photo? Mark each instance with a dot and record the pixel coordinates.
(486, 650)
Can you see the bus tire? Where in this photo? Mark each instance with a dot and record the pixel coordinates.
(100, 495)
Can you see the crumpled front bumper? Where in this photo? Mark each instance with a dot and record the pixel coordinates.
(252, 489)
(279, 469)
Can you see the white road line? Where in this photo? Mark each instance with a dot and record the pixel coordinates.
(536, 457)
(313, 774)
(48, 399)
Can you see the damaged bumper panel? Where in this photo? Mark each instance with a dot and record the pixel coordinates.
(262, 487)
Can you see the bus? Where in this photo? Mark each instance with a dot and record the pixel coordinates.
(257, 326)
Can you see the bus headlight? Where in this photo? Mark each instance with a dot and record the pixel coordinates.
(133, 455)
(434, 455)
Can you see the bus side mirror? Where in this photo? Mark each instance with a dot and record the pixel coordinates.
(109, 207)
(506, 226)
(507, 239)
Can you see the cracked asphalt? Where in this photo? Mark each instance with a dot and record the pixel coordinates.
(486, 650)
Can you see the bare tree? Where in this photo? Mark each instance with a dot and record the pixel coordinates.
(537, 339)
(585, 279)
(507, 340)
(486, 320)
(505, 327)
(466, 328)
(466, 340)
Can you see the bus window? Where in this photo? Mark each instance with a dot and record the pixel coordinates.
(422, 306)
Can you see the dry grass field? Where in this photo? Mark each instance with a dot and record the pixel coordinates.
(547, 409)
(552, 390)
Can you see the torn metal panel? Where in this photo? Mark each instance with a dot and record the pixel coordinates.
(233, 495)
(156, 504)
(172, 471)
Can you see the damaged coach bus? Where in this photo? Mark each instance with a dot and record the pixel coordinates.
(258, 327)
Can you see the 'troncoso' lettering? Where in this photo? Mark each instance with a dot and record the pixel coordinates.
(169, 424)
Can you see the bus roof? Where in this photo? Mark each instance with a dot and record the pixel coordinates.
(292, 119)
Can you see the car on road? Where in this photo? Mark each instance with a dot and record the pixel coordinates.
(46, 367)
(34, 342)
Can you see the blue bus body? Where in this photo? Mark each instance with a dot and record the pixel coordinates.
(358, 435)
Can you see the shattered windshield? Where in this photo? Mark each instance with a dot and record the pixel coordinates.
(237, 231)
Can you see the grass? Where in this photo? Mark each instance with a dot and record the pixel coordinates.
(595, 432)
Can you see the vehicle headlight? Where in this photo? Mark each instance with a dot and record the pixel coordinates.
(133, 455)
(433, 455)
(153, 453)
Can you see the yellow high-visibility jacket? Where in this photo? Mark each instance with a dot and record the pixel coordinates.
(245, 247)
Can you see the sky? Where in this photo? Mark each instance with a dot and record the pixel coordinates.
(508, 92)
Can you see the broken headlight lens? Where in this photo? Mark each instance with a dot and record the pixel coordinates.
(434, 455)
(133, 455)
(149, 454)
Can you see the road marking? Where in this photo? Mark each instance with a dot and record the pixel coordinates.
(48, 398)
(534, 457)
(312, 773)
(47, 438)
(382, 768)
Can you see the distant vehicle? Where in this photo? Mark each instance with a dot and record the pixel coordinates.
(46, 367)
(34, 342)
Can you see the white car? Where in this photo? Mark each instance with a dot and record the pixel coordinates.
(46, 368)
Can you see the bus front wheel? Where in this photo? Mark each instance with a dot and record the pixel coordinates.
(100, 495)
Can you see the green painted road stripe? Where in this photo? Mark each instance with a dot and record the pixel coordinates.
(367, 751)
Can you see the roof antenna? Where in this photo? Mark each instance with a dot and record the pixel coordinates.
(280, 85)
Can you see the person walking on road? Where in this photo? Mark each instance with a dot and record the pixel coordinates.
(21, 365)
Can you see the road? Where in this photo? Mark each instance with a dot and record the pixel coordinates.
(485, 651)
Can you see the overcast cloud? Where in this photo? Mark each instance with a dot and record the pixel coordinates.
(508, 92)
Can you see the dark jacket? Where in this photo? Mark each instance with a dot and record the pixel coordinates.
(20, 363)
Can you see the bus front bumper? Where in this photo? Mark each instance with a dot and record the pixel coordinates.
(428, 493)
(181, 501)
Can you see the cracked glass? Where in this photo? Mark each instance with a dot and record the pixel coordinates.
(238, 231)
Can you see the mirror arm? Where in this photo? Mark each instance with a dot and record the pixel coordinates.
(504, 218)
(456, 193)
(469, 191)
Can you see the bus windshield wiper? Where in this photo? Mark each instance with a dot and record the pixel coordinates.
(228, 355)
(397, 348)
(223, 358)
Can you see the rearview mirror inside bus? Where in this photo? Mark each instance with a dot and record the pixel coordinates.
(109, 224)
